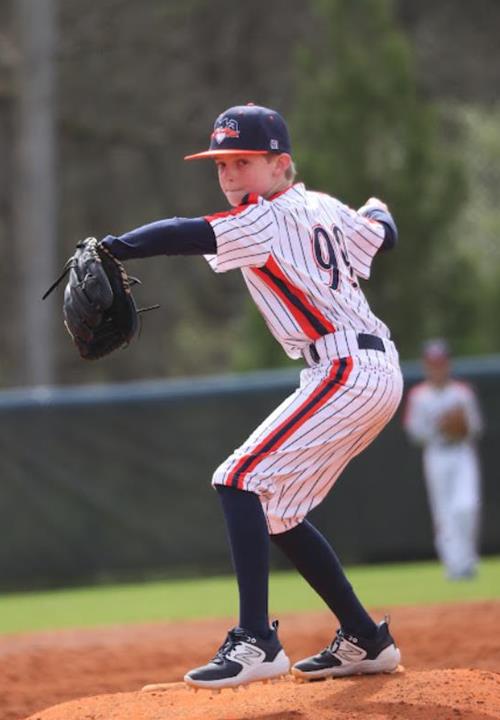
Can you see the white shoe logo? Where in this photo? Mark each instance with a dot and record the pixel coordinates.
(347, 652)
(246, 654)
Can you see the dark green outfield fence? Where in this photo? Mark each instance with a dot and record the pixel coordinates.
(113, 482)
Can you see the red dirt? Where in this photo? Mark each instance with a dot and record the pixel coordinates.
(451, 654)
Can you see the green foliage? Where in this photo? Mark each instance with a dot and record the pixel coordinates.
(256, 347)
(361, 128)
(478, 229)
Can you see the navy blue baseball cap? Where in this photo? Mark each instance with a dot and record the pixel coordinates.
(247, 130)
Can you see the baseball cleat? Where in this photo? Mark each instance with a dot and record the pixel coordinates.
(242, 658)
(350, 655)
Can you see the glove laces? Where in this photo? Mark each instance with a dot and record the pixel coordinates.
(71, 263)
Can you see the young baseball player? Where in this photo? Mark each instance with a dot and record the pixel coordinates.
(443, 416)
(302, 255)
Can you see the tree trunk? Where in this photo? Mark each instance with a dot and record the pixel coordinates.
(35, 190)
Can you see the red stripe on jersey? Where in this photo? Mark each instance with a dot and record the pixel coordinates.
(336, 379)
(309, 318)
(252, 199)
(280, 192)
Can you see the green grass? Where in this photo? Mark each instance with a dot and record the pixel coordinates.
(379, 586)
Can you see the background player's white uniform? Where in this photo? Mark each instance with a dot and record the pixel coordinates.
(301, 254)
(451, 470)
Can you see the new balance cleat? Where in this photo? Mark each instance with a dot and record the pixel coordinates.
(243, 658)
(350, 655)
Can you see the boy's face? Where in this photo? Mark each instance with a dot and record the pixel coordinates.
(243, 174)
(437, 370)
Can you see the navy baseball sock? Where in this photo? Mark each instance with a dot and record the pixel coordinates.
(249, 540)
(315, 559)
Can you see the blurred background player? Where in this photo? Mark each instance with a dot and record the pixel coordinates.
(443, 416)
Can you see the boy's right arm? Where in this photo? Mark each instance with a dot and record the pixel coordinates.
(174, 236)
(367, 231)
(375, 209)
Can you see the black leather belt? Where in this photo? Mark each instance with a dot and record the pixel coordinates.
(370, 342)
(365, 342)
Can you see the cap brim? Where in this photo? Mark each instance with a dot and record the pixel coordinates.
(220, 153)
(436, 356)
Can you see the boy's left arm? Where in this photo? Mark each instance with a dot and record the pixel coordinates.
(173, 236)
(99, 310)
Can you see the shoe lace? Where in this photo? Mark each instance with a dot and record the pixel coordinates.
(336, 643)
(233, 638)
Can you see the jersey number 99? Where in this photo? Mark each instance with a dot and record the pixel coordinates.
(325, 253)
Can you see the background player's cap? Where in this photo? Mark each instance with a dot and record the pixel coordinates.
(247, 130)
(436, 349)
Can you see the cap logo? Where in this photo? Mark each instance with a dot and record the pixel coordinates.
(229, 128)
(274, 144)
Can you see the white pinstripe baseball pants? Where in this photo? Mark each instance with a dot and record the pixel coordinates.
(294, 457)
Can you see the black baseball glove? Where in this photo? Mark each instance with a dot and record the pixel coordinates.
(100, 313)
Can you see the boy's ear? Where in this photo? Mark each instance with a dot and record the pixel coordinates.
(283, 162)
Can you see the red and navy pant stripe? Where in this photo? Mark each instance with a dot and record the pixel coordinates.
(336, 378)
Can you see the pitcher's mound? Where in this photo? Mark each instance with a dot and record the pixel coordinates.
(413, 695)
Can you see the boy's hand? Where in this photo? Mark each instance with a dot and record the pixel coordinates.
(372, 204)
(99, 311)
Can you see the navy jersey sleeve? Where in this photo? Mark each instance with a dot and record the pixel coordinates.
(391, 232)
(174, 236)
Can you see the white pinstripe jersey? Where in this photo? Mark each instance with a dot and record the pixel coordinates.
(301, 254)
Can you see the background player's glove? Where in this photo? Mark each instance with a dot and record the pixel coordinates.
(99, 310)
(453, 424)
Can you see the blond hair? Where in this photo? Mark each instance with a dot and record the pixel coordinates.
(290, 172)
